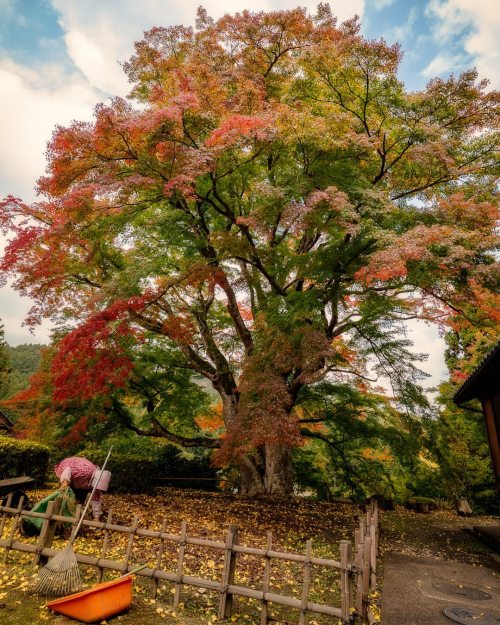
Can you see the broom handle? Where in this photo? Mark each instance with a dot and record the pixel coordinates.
(89, 499)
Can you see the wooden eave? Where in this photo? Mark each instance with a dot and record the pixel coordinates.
(4, 419)
(483, 382)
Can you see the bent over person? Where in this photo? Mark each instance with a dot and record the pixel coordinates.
(82, 475)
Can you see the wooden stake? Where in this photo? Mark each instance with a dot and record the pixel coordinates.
(362, 528)
(180, 564)
(226, 598)
(4, 515)
(357, 539)
(367, 548)
(105, 541)
(373, 558)
(130, 543)
(358, 560)
(306, 583)
(345, 579)
(48, 530)
(161, 549)
(17, 517)
(266, 580)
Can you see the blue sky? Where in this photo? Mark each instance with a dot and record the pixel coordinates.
(58, 58)
(437, 36)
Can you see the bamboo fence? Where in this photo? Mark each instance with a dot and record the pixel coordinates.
(357, 567)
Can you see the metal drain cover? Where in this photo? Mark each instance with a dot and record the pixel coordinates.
(465, 616)
(461, 591)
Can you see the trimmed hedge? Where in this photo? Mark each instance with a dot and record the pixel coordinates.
(136, 473)
(130, 474)
(172, 463)
(23, 457)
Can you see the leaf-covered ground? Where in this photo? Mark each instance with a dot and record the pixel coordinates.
(208, 515)
(439, 535)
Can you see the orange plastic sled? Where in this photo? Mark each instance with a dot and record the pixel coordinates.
(97, 603)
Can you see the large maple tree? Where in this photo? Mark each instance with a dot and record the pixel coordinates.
(268, 207)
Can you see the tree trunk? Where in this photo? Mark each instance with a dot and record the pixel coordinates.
(267, 472)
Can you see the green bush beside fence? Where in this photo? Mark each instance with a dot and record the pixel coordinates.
(130, 473)
(193, 470)
(23, 457)
(140, 472)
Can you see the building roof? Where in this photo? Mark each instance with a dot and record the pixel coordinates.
(5, 422)
(484, 381)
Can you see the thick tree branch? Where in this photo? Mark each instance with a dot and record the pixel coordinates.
(160, 431)
(232, 307)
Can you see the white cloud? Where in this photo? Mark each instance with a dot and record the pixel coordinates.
(441, 64)
(99, 34)
(33, 101)
(13, 309)
(378, 5)
(447, 20)
(405, 30)
(90, 57)
(479, 23)
(12, 14)
(7, 7)
(427, 340)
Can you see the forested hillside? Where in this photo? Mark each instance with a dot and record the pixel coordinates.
(17, 365)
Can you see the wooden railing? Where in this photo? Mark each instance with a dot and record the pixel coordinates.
(366, 539)
(357, 570)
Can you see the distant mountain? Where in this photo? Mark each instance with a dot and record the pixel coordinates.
(24, 361)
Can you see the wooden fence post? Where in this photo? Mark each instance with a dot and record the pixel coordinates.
(105, 540)
(15, 523)
(266, 580)
(346, 579)
(362, 528)
(373, 557)
(357, 540)
(306, 583)
(180, 564)
(4, 515)
(161, 549)
(226, 599)
(130, 543)
(358, 560)
(48, 531)
(365, 569)
(367, 549)
(376, 524)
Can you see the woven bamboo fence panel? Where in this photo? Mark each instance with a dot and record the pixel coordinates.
(357, 566)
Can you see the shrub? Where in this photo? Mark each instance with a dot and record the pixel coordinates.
(130, 473)
(189, 467)
(138, 463)
(413, 502)
(18, 457)
(485, 501)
